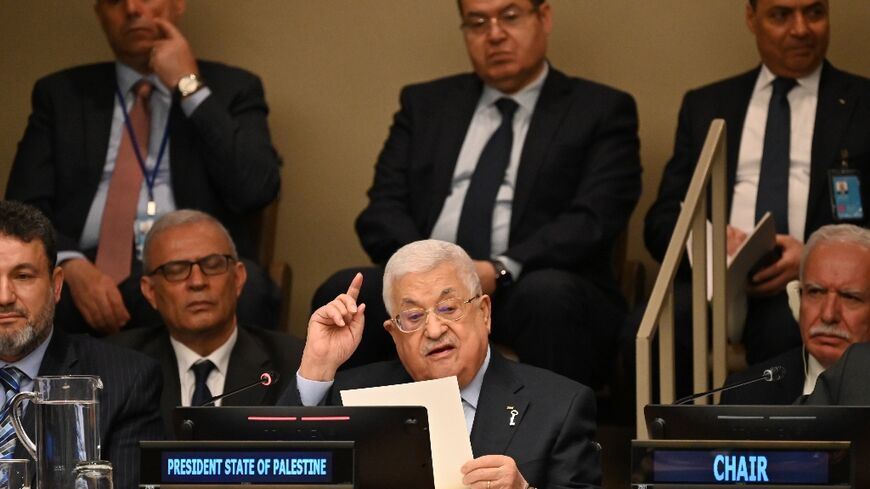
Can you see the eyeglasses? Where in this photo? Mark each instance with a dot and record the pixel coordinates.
(511, 18)
(452, 309)
(176, 271)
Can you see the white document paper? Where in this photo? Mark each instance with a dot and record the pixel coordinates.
(760, 241)
(448, 434)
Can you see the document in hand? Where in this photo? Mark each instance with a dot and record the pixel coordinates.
(448, 434)
(759, 244)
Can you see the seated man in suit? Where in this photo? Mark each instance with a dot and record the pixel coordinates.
(193, 277)
(795, 125)
(110, 147)
(534, 173)
(834, 314)
(440, 326)
(847, 382)
(30, 346)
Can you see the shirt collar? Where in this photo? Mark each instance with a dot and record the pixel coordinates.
(526, 98)
(814, 369)
(471, 392)
(31, 363)
(809, 82)
(126, 77)
(220, 357)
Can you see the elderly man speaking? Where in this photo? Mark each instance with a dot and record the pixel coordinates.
(440, 324)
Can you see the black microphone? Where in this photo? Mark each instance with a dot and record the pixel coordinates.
(266, 379)
(772, 374)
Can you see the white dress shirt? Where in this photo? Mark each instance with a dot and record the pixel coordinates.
(802, 100)
(159, 106)
(186, 358)
(484, 123)
(814, 369)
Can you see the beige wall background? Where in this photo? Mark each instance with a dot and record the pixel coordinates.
(333, 69)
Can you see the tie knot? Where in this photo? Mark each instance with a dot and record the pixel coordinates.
(781, 85)
(11, 377)
(507, 107)
(143, 89)
(202, 369)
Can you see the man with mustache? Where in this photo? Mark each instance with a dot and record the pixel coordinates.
(110, 147)
(31, 346)
(193, 277)
(533, 172)
(440, 324)
(796, 126)
(834, 314)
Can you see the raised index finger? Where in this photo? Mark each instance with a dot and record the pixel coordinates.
(355, 286)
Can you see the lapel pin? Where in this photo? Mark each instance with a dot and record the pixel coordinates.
(513, 413)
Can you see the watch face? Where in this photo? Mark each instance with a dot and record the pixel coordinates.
(188, 85)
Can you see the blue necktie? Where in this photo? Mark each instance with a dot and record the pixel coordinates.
(201, 392)
(775, 158)
(10, 381)
(474, 233)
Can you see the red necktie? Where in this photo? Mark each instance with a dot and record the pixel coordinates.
(115, 249)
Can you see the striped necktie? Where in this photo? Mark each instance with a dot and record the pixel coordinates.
(10, 381)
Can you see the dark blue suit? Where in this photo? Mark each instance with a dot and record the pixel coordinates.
(552, 442)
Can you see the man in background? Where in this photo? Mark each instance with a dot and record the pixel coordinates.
(534, 173)
(31, 346)
(795, 126)
(193, 277)
(834, 314)
(110, 147)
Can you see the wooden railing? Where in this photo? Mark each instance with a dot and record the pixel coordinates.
(708, 185)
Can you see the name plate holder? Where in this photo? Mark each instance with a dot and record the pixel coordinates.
(701, 464)
(231, 464)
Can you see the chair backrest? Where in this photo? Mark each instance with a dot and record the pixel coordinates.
(263, 228)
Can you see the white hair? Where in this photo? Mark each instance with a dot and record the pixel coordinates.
(835, 233)
(425, 255)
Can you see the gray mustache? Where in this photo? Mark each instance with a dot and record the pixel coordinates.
(829, 330)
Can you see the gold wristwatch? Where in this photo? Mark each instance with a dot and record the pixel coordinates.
(189, 84)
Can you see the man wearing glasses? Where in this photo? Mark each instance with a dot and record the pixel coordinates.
(528, 426)
(193, 277)
(532, 172)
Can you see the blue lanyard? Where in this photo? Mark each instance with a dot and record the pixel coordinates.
(150, 178)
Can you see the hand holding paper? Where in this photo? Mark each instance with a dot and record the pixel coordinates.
(494, 472)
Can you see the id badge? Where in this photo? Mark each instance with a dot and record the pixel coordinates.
(141, 226)
(846, 202)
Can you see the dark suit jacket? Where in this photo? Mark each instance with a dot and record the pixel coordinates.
(842, 123)
(256, 351)
(577, 183)
(784, 391)
(128, 402)
(846, 383)
(552, 440)
(221, 158)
